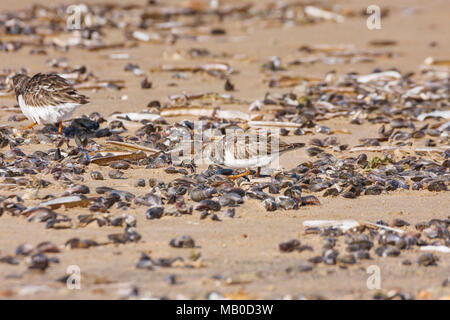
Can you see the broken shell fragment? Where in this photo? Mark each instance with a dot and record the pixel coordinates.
(182, 242)
(67, 202)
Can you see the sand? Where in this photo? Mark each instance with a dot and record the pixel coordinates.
(243, 251)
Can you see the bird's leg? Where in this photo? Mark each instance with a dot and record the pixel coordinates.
(30, 126)
(59, 127)
(246, 173)
(258, 172)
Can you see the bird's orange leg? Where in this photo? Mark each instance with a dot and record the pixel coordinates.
(60, 127)
(30, 126)
(258, 172)
(246, 173)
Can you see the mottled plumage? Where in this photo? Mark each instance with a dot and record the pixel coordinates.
(248, 149)
(46, 98)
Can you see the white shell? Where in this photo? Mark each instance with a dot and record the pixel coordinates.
(385, 76)
(435, 114)
(344, 225)
(444, 249)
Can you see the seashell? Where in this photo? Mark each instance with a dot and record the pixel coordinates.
(199, 194)
(171, 170)
(310, 201)
(331, 192)
(305, 267)
(437, 186)
(67, 202)
(39, 214)
(375, 190)
(270, 204)
(47, 247)
(38, 261)
(139, 183)
(78, 189)
(229, 213)
(387, 251)
(427, 259)
(329, 256)
(362, 255)
(130, 220)
(59, 223)
(103, 190)
(181, 206)
(9, 260)
(379, 76)
(24, 249)
(433, 232)
(119, 165)
(313, 151)
(294, 192)
(149, 199)
(76, 243)
(347, 259)
(317, 12)
(207, 205)
(230, 199)
(316, 259)
(444, 249)
(115, 174)
(130, 235)
(145, 262)
(329, 243)
(182, 242)
(96, 175)
(257, 194)
(287, 203)
(399, 223)
(289, 246)
(435, 114)
(154, 213)
(344, 225)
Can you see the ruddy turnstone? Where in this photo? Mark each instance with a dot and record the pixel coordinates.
(245, 150)
(46, 98)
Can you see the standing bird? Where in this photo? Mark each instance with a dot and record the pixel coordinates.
(46, 98)
(245, 150)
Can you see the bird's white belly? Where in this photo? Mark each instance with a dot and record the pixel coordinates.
(48, 114)
(253, 162)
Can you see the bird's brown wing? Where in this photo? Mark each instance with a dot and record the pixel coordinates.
(51, 90)
(257, 143)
